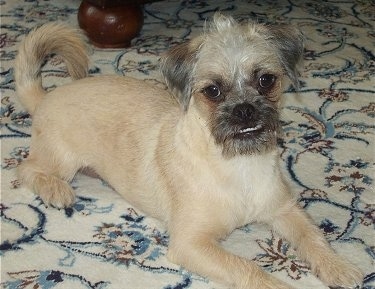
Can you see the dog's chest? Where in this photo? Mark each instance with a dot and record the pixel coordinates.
(248, 185)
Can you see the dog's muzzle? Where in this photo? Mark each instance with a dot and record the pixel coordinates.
(247, 116)
(246, 128)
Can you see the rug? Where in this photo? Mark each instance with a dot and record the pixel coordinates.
(327, 152)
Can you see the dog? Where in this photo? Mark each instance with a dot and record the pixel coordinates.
(201, 156)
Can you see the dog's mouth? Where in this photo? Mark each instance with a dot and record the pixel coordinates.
(248, 132)
(254, 135)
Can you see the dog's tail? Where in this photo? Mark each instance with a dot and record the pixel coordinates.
(51, 38)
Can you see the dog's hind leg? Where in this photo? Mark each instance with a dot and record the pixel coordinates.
(49, 178)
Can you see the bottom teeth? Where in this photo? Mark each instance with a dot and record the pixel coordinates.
(249, 129)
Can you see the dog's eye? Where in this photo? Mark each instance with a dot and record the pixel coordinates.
(267, 80)
(212, 92)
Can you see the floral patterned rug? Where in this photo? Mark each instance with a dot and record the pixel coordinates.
(327, 152)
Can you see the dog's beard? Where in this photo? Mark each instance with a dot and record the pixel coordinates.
(255, 136)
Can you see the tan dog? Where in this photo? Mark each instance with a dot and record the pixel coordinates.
(202, 158)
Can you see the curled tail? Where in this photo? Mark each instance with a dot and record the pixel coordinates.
(51, 38)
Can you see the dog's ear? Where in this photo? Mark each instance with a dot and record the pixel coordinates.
(177, 67)
(289, 42)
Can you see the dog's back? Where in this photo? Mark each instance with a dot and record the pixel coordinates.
(52, 38)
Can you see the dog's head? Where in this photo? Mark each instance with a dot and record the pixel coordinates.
(233, 76)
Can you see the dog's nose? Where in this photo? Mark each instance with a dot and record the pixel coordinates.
(244, 111)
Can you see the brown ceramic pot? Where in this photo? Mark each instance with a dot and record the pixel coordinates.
(110, 23)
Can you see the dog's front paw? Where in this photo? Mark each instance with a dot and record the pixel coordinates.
(54, 191)
(337, 272)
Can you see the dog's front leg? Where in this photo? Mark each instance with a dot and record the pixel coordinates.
(295, 226)
(201, 253)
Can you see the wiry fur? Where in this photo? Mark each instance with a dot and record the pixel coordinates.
(177, 156)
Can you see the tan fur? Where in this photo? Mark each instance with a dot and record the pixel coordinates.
(163, 159)
(53, 38)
